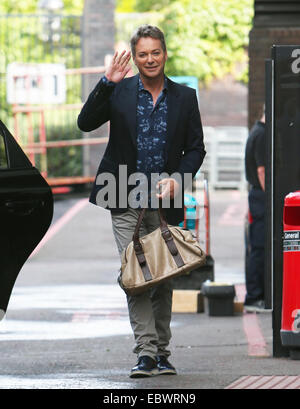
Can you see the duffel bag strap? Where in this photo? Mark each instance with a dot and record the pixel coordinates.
(168, 237)
(142, 261)
(139, 249)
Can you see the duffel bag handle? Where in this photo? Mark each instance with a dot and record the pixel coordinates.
(167, 236)
(163, 224)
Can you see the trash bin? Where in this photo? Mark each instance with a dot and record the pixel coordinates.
(218, 299)
(290, 318)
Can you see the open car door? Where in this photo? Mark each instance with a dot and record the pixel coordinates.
(26, 210)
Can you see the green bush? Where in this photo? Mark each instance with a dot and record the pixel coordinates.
(208, 38)
(205, 38)
(21, 41)
(64, 161)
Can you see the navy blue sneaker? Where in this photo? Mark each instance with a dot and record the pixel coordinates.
(145, 367)
(164, 366)
(256, 306)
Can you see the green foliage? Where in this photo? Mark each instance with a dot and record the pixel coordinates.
(205, 38)
(21, 40)
(208, 38)
(3, 159)
(64, 161)
(152, 5)
(26, 32)
(18, 6)
(30, 6)
(125, 6)
(127, 23)
(73, 7)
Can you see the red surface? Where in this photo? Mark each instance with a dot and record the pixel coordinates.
(291, 263)
(291, 289)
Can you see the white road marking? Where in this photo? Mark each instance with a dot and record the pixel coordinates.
(72, 297)
(14, 330)
(61, 381)
(103, 307)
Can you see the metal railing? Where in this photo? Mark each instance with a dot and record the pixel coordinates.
(224, 165)
(34, 39)
(40, 145)
(49, 133)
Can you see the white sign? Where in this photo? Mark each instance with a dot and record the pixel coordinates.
(36, 83)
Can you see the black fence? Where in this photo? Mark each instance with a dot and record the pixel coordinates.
(44, 39)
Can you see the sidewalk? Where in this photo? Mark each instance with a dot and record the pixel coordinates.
(67, 325)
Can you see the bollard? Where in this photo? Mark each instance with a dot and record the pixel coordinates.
(218, 298)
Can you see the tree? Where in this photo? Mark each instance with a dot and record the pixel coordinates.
(125, 6)
(208, 38)
(21, 40)
(152, 5)
(30, 6)
(205, 38)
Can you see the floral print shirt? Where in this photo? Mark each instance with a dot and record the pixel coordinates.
(151, 132)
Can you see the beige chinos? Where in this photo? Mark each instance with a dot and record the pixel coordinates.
(149, 312)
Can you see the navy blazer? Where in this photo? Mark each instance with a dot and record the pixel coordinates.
(184, 146)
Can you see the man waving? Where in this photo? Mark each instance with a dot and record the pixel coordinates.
(155, 129)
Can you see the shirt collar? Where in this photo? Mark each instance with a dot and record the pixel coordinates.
(141, 86)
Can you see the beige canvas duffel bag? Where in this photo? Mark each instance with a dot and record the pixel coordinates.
(161, 255)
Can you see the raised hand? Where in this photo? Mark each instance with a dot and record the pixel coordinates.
(118, 67)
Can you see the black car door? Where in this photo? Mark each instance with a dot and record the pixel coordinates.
(26, 210)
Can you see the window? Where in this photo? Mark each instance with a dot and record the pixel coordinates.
(3, 157)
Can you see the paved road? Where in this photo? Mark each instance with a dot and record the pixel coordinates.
(67, 324)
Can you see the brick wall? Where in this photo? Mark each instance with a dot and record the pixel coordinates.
(275, 22)
(261, 41)
(224, 103)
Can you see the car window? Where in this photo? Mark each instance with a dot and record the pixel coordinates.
(3, 157)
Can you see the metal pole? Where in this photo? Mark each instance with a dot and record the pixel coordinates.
(269, 185)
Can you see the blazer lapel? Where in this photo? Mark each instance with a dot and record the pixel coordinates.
(131, 106)
(173, 112)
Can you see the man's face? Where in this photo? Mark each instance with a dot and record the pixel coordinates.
(149, 57)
